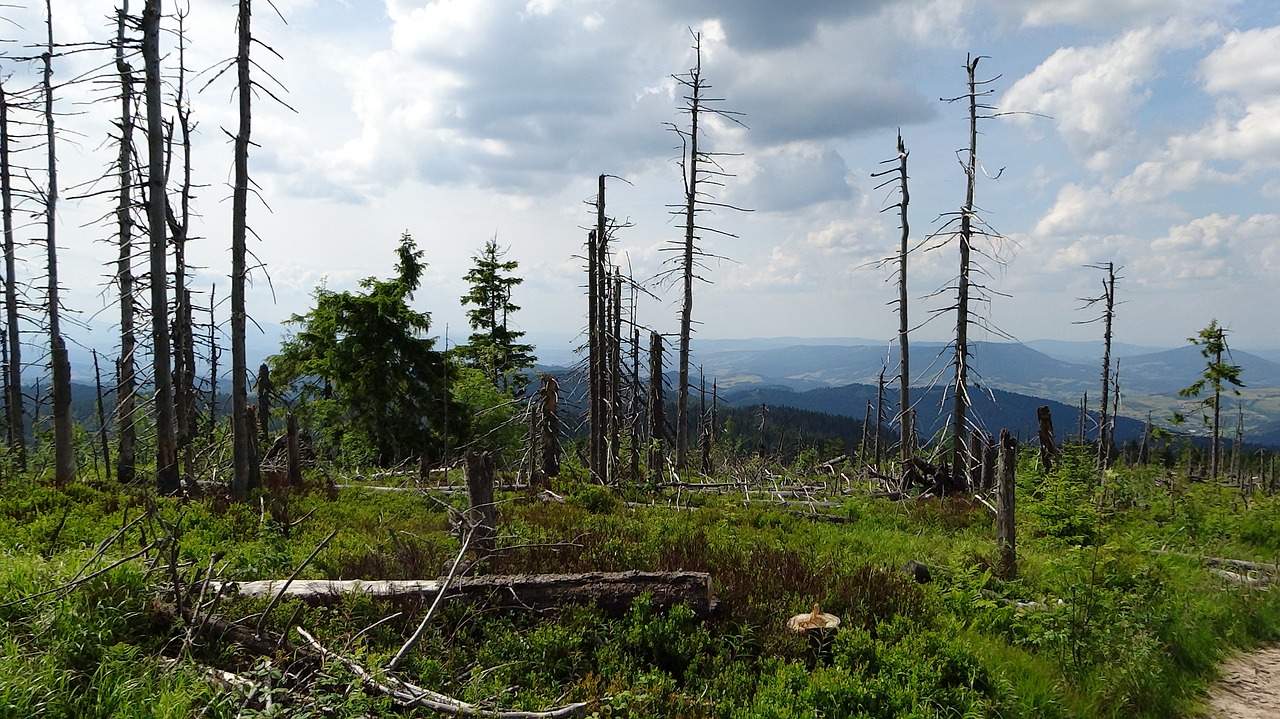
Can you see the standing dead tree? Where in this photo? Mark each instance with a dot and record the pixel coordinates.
(126, 365)
(245, 474)
(184, 384)
(1108, 301)
(63, 422)
(14, 414)
(966, 226)
(701, 169)
(898, 177)
(241, 429)
(167, 477)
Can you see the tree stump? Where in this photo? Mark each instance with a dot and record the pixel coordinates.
(481, 514)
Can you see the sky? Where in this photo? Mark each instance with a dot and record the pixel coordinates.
(1140, 132)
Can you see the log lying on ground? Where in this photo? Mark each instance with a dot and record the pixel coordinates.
(612, 592)
(1223, 562)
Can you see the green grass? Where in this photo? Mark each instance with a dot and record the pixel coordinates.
(1119, 631)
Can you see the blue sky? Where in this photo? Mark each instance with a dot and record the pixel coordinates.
(1152, 140)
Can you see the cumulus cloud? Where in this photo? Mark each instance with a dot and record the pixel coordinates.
(1091, 93)
(1214, 248)
(1104, 14)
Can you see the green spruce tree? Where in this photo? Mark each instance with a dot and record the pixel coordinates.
(1217, 375)
(363, 360)
(494, 347)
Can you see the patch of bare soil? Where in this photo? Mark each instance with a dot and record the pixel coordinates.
(1249, 688)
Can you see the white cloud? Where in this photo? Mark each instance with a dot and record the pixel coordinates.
(1214, 248)
(1246, 65)
(1091, 93)
(1106, 14)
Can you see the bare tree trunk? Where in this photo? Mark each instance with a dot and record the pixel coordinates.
(167, 478)
(1108, 314)
(102, 418)
(906, 448)
(657, 410)
(481, 515)
(63, 423)
(213, 363)
(1049, 451)
(636, 393)
(241, 424)
(294, 451)
(615, 380)
(550, 445)
(879, 453)
(183, 330)
(17, 439)
(959, 425)
(126, 373)
(687, 267)
(264, 390)
(596, 242)
(1006, 525)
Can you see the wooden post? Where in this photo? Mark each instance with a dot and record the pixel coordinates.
(295, 455)
(1006, 543)
(990, 456)
(480, 514)
(1048, 447)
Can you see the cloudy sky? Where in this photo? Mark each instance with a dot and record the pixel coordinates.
(1142, 132)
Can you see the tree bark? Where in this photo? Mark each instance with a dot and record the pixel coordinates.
(241, 421)
(60, 366)
(17, 438)
(481, 514)
(126, 366)
(1006, 526)
(612, 592)
(1049, 451)
(959, 423)
(167, 478)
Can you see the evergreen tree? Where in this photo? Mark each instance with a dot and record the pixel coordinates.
(493, 347)
(363, 360)
(1217, 374)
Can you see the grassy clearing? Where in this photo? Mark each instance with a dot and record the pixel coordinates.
(1118, 630)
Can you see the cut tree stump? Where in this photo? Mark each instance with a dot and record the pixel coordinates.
(612, 592)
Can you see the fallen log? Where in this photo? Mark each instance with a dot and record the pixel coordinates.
(612, 592)
(1224, 562)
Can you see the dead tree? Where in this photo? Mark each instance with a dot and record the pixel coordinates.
(264, 390)
(1006, 525)
(167, 477)
(126, 365)
(968, 228)
(60, 366)
(657, 409)
(17, 442)
(597, 322)
(701, 169)
(1108, 301)
(548, 405)
(1049, 452)
(102, 418)
(183, 320)
(899, 176)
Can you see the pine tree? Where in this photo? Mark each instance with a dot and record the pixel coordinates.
(493, 347)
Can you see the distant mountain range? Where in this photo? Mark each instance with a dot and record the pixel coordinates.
(839, 376)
